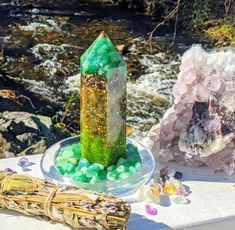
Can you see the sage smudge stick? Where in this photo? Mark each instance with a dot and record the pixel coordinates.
(68, 205)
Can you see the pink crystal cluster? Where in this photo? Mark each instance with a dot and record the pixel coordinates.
(199, 128)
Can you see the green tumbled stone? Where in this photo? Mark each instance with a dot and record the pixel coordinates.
(90, 173)
(131, 149)
(99, 165)
(73, 160)
(112, 176)
(68, 153)
(124, 175)
(102, 175)
(76, 176)
(81, 178)
(65, 148)
(137, 165)
(94, 167)
(83, 163)
(84, 170)
(134, 159)
(120, 169)
(77, 150)
(77, 169)
(69, 167)
(120, 161)
(127, 164)
(132, 170)
(61, 159)
(95, 180)
(61, 170)
(111, 168)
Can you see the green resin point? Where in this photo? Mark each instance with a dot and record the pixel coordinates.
(103, 103)
(101, 56)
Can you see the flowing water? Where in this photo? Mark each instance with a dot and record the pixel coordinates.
(41, 43)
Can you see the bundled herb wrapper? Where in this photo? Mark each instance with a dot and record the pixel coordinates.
(69, 205)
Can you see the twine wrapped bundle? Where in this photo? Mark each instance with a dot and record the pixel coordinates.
(72, 206)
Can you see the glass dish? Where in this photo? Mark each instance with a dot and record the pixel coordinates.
(117, 188)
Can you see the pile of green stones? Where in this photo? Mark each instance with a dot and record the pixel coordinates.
(70, 163)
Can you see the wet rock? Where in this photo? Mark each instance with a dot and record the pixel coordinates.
(120, 48)
(6, 154)
(24, 133)
(38, 148)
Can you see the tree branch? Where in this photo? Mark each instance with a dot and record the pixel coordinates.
(173, 13)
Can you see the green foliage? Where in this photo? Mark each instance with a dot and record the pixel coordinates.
(194, 13)
(61, 123)
(221, 34)
(201, 11)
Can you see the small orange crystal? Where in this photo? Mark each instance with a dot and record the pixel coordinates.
(169, 189)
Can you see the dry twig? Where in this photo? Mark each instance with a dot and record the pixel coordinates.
(12, 94)
(227, 5)
(173, 13)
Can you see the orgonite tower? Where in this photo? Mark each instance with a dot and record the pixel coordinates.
(103, 103)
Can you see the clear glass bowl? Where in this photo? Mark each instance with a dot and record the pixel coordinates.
(116, 188)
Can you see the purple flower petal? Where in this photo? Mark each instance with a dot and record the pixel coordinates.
(9, 170)
(24, 163)
(150, 209)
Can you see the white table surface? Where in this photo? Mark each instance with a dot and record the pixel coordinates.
(212, 204)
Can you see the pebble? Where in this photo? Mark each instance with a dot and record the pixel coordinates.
(124, 175)
(121, 161)
(111, 168)
(102, 175)
(120, 169)
(69, 167)
(68, 153)
(132, 169)
(73, 160)
(69, 162)
(94, 167)
(179, 200)
(169, 188)
(83, 170)
(76, 176)
(178, 175)
(90, 173)
(112, 176)
(156, 189)
(137, 165)
(61, 170)
(150, 210)
(95, 180)
(83, 163)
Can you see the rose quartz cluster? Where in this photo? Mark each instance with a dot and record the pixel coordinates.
(199, 128)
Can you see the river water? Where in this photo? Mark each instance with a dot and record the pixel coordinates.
(41, 43)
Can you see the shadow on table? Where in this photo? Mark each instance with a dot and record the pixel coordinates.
(140, 222)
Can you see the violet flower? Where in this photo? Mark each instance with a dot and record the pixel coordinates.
(9, 170)
(24, 163)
